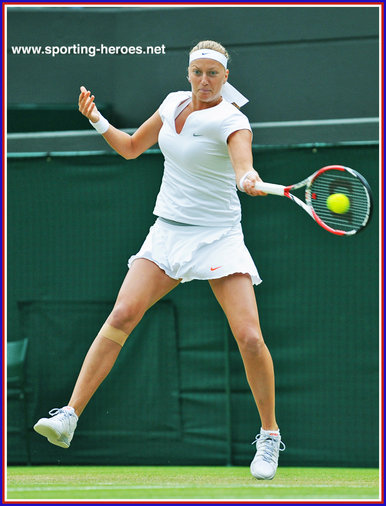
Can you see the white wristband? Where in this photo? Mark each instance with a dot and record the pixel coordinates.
(102, 125)
(241, 182)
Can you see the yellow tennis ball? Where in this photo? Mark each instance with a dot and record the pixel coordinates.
(338, 203)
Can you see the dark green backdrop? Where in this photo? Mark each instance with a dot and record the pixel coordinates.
(292, 62)
(178, 394)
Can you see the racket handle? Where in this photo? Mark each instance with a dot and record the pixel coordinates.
(272, 189)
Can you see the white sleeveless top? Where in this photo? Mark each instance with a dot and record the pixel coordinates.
(199, 184)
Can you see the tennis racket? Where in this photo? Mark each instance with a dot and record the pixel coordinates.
(345, 185)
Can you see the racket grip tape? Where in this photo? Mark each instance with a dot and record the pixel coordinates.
(272, 189)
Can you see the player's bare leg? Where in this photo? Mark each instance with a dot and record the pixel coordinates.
(144, 285)
(236, 296)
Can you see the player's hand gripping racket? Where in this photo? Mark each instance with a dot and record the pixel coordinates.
(336, 197)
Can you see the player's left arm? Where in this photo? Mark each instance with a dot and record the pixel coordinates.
(240, 153)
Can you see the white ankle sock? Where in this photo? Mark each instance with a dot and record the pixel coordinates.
(273, 432)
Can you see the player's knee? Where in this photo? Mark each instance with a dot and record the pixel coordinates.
(250, 340)
(126, 316)
(121, 322)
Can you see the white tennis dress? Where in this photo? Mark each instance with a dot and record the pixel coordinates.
(198, 234)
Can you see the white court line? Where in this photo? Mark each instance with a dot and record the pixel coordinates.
(171, 487)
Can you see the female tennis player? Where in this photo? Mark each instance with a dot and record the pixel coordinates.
(206, 142)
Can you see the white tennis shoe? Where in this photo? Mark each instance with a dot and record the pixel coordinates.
(59, 430)
(265, 462)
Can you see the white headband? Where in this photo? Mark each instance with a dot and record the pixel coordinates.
(229, 92)
(209, 53)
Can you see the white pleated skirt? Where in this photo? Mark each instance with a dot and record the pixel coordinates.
(188, 252)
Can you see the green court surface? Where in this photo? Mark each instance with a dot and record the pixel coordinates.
(189, 483)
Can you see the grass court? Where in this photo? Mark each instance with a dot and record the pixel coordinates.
(188, 483)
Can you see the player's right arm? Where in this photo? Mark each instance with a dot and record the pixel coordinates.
(128, 146)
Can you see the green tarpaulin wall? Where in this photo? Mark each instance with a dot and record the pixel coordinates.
(178, 394)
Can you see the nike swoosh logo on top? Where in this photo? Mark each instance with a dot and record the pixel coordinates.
(215, 268)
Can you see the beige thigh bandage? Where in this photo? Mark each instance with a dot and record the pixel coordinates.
(116, 335)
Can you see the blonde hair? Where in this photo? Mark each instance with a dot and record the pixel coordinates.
(210, 44)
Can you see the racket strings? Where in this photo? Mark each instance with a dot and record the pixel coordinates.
(335, 181)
